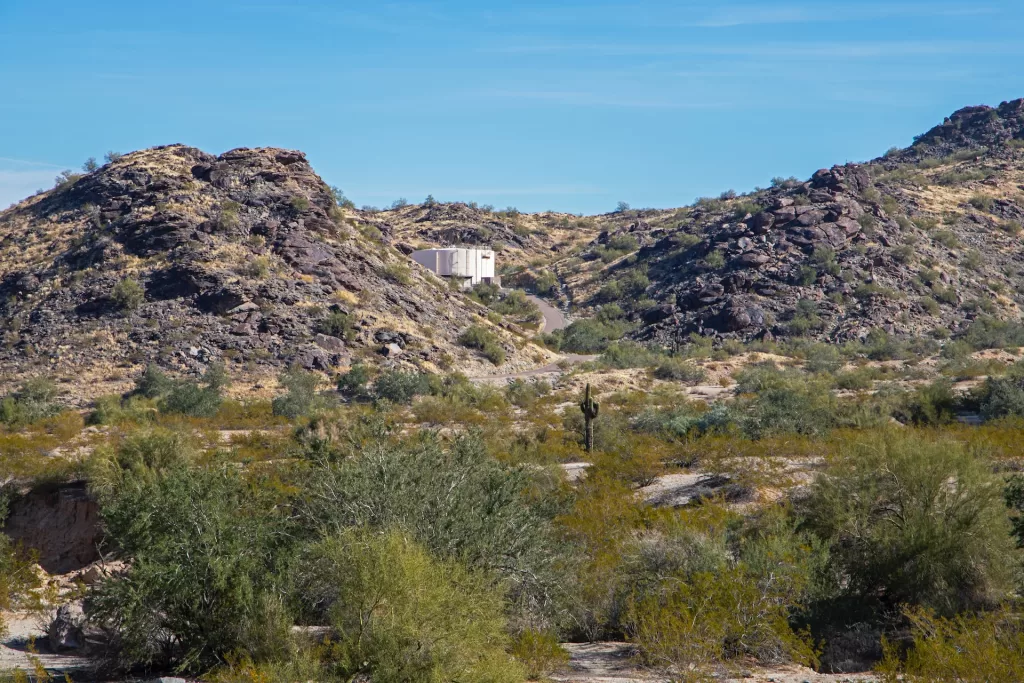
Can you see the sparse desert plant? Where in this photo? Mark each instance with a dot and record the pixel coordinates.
(399, 386)
(34, 400)
(337, 324)
(128, 294)
(301, 397)
(486, 342)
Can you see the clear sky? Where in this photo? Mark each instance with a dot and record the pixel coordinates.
(563, 105)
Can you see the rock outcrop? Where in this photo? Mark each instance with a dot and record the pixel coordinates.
(919, 242)
(178, 257)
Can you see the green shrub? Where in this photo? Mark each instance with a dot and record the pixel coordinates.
(1000, 397)
(900, 533)
(128, 294)
(400, 615)
(515, 304)
(153, 383)
(399, 386)
(628, 354)
(589, 335)
(485, 341)
(968, 649)
(680, 370)
(540, 653)
(34, 400)
(986, 332)
(982, 202)
(946, 238)
(701, 604)
(337, 324)
(352, 384)
(715, 260)
(459, 503)
(196, 399)
(301, 398)
(200, 575)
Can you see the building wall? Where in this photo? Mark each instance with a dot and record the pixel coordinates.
(473, 265)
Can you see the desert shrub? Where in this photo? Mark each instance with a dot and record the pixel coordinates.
(398, 272)
(484, 341)
(929, 405)
(128, 294)
(590, 335)
(196, 399)
(946, 238)
(972, 260)
(34, 400)
(524, 393)
(715, 260)
(117, 410)
(857, 380)
(975, 648)
(822, 358)
(352, 384)
(793, 406)
(702, 601)
(912, 520)
(628, 354)
(623, 243)
(301, 397)
(982, 202)
(680, 370)
(399, 386)
(515, 304)
(199, 580)
(1000, 397)
(153, 383)
(986, 332)
(337, 324)
(458, 502)
(400, 615)
(540, 653)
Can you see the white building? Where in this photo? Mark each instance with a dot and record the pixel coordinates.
(472, 266)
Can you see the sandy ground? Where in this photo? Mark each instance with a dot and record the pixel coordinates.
(613, 663)
(26, 634)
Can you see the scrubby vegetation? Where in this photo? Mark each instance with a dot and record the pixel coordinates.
(346, 538)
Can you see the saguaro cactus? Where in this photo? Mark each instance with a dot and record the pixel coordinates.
(589, 407)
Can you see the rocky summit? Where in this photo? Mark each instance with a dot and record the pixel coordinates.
(177, 257)
(921, 241)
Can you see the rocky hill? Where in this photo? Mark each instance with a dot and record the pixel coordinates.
(178, 257)
(918, 242)
(520, 238)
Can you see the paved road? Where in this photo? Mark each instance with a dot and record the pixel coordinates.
(553, 318)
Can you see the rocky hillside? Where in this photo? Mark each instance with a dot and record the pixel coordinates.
(918, 242)
(519, 238)
(175, 256)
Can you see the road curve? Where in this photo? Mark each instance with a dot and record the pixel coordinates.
(554, 319)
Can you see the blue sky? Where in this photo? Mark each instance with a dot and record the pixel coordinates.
(561, 105)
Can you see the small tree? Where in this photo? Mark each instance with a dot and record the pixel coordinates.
(128, 294)
(90, 165)
(401, 615)
(301, 397)
(622, 207)
(352, 384)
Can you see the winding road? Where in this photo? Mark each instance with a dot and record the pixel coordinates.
(554, 320)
